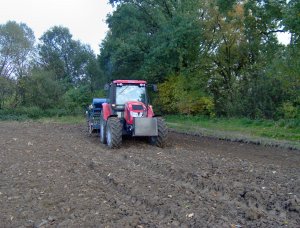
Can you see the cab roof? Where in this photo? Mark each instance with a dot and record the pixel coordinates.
(130, 81)
(99, 101)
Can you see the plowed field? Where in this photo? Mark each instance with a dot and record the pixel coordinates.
(55, 175)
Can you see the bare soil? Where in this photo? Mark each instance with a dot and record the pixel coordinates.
(55, 175)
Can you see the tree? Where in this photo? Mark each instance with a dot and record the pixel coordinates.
(42, 90)
(242, 45)
(151, 39)
(16, 48)
(7, 88)
(70, 60)
(123, 50)
(16, 52)
(291, 20)
(224, 49)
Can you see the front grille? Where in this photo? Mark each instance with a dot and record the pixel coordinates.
(137, 107)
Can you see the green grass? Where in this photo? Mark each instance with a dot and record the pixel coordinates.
(238, 129)
(287, 130)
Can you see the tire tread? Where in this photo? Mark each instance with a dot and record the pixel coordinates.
(116, 132)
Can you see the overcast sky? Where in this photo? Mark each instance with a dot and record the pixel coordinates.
(84, 18)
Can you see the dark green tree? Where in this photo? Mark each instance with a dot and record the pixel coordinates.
(7, 89)
(224, 49)
(72, 62)
(291, 21)
(42, 90)
(151, 39)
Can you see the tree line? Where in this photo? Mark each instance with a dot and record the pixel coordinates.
(209, 57)
(214, 57)
(57, 72)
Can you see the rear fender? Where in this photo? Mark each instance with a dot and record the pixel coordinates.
(157, 116)
(150, 111)
(107, 111)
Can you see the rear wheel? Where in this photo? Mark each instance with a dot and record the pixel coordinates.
(114, 132)
(102, 130)
(161, 138)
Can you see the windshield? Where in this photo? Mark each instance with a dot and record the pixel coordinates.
(130, 93)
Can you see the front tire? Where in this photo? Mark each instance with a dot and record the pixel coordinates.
(102, 130)
(114, 133)
(161, 139)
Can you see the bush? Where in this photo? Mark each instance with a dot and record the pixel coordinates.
(76, 99)
(42, 90)
(288, 111)
(24, 113)
(56, 112)
(20, 113)
(179, 95)
(32, 112)
(167, 96)
(6, 114)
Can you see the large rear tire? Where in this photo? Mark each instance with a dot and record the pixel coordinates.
(114, 133)
(161, 139)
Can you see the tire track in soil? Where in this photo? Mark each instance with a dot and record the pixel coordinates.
(176, 188)
(205, 187)
(213, 187)
(120, 198)
(146, 197)
(136, 197)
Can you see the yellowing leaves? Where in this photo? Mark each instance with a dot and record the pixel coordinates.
(176, 96)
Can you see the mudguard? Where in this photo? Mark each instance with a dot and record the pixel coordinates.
(106, 110)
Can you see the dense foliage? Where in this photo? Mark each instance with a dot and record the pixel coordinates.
(58, 76)
(209, 57)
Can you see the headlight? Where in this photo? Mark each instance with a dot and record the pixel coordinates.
(136, 114)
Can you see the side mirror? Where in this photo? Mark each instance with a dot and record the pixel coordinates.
(106, 87)
(154, 87)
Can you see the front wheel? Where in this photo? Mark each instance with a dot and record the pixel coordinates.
(114, 133)
(102, 130)
(161, 139)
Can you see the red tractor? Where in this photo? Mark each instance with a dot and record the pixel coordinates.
(127, 112)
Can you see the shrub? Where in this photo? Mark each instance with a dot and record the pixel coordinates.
(76, 99)
(42, 90)
(178, 95)
(31, 112)
(288, 110)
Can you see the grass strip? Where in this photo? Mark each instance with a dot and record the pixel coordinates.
(284, 134)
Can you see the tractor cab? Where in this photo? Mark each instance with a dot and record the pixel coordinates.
(123, 92)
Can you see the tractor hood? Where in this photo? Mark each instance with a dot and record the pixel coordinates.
(134, 109)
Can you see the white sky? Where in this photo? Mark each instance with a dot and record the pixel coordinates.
(84, 18)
